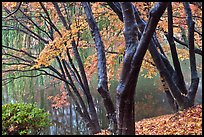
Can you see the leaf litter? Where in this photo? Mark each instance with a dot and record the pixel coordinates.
(186, 122)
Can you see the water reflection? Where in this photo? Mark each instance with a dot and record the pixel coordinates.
(150, 101)
(66, 121)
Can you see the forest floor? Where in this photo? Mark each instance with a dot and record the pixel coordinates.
(186, 122)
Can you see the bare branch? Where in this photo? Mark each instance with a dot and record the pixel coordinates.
(197, 51)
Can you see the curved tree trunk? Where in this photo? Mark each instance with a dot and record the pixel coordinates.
(163, 65)
(102, 73)
(132, 62)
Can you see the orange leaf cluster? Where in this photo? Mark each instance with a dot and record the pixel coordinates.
(182, 54)
(9, 5)
(91, 65)
(144, 8)
(53, 49)
(104, 132)
(60, 100)
(146, 65)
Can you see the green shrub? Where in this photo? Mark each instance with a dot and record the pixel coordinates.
(23, 119)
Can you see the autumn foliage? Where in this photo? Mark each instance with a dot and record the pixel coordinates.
(111, 30)
(73, 41)
(186, 122)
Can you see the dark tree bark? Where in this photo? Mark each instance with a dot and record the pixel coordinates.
(194, 76)
(92, 110)
(157, 57)
(165, 69)
(132, 62)
(125, 91)
(180, 82)
(102, 73)
(93, 121)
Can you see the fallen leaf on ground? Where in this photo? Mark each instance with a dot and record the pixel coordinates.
(186, 122)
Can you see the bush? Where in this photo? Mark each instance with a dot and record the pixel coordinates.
(23, 119)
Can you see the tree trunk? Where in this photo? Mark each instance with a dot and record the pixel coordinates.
(194, 76)
(132, 62)
(165, 69)
(102, 71)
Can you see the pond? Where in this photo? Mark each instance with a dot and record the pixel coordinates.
(150, 100)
